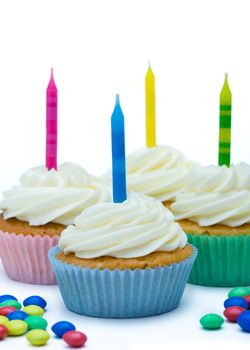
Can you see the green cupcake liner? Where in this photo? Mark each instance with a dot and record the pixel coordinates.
(222, 261)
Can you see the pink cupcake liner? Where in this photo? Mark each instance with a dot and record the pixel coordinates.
(25, 257)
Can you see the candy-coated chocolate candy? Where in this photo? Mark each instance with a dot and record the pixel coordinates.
(37, 300)
(11, 302)
(17, 315)
(16, 327)
(232, 313)
(3, 332)
(239, 292)
(75, 339)
(33, 310)
(38, 337)
(244, 321)
(9, 297)
(36, 322)
(62, 327)
(3, 319)
(211, 321)
(5, 310)
(235, 301)
(247, 298)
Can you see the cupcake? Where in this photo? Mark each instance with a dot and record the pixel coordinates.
(123, 260)
(36, 212)
(160, 172)
(214, 211)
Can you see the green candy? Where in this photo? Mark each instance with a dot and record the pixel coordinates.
(36, 322)
(16, 327)
(13, 303)
(3, 320)
(239, 292)
(37, 337)
(211, 321)
(33, 310)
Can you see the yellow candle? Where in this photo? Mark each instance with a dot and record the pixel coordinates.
(150, 108)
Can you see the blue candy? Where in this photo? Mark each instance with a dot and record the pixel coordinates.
(62, 327)
(235, 301)
(35, 300)
(7, 297)
(17, 315)
(244, 321)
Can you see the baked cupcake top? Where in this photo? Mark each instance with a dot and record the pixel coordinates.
(160, 172)
(216, 195)
(53, 196)
(137, 227)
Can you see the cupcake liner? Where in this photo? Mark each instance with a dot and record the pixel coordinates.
(121, 294)
(25, 257)
(223, 261)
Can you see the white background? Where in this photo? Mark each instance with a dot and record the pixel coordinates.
(99, 48)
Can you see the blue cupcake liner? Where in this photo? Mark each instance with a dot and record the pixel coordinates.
(121, 293)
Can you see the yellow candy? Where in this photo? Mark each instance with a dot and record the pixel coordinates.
(16, 327)
(3, 320)
(33, 310)
(38, 337)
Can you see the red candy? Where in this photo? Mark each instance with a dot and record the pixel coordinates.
(3, 332)
(5, 310)
(232, 313)
(247, 298)
(75, 339)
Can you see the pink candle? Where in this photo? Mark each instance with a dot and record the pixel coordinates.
(51, 124)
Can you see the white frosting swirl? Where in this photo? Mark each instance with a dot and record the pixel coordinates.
(138, 226)
(160, 172)
(219, 179)
(216, 195)
(231, 209)
(53, 196)
(67, 175)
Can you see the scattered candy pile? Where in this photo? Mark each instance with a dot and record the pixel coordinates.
(29, 321)
(237, 309)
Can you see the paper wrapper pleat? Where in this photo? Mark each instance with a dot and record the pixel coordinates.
(121, 294)
(223, 261)
(25, 257)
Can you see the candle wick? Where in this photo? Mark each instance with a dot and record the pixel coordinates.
(117, 99)
(52, 84)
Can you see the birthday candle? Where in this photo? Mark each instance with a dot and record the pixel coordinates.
(51, 124)
(118, 154)
(150, 108)
(225, 124)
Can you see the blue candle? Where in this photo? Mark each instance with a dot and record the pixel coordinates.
(118, 154)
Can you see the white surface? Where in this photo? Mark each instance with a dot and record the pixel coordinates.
(180, 327)
(99, 48)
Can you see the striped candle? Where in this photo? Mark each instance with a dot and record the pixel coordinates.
(225, 124)
(51, 124)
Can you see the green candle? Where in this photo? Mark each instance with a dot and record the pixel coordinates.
(225, 124)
